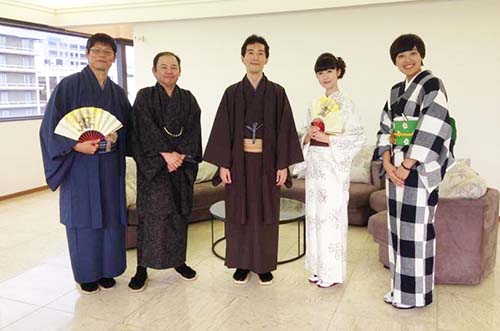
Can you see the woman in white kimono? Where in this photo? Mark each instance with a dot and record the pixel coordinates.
(334, 136)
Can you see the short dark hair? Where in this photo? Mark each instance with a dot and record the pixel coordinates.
(103, 39)
(254, 39)
(407, 42)
(166, 53)
(328, 61)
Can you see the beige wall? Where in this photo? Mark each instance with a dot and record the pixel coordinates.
(461, 38)
(21, 159)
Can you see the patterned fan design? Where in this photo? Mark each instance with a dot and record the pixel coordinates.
(87, 123)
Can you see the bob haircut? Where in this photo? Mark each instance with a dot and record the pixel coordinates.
(407, 42)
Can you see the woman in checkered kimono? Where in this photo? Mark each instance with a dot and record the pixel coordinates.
(414, 144)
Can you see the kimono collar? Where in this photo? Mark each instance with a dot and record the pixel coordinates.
(89, 73)
(163, 93)
(407, 88)
(261, 87)
(335, 95)
(408, 82)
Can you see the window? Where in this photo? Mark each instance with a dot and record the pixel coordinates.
(52, 83)
(42, 92)
(27, 44)
(27, 79)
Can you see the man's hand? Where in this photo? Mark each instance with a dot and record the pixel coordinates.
(87, 147)
(281, 175)
(174, 160)
(225, 175)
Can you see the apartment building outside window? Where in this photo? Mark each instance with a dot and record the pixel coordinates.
(34, 60)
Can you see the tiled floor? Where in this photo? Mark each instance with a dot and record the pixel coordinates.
(37, 291)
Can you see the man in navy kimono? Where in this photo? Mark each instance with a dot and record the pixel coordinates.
(90, 175)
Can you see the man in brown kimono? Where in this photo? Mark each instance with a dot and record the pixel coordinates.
(253, 141)
(166, 143)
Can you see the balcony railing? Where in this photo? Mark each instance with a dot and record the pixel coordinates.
(2, 84)
(17, 66)
(22, 48)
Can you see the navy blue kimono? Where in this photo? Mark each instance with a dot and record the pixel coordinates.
(92, 187)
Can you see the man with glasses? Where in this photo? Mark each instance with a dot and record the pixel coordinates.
(90, 174)
(166, 143)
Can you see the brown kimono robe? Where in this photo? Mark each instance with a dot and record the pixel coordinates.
(252, 200)
(164, 199)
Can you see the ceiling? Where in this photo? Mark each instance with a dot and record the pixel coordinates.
(71, 13)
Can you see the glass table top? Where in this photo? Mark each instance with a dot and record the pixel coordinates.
(290, 210)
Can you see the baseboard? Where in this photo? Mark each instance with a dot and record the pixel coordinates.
(19, 194)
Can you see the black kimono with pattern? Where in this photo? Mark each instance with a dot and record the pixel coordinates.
(164, 199)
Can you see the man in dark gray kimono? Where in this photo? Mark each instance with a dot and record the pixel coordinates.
(253, 141)
(166, 143)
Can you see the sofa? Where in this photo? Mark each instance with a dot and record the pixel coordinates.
(205, 194)
(364, 181)
(466, 230)
(359, 209)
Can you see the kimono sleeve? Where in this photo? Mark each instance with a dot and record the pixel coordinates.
(433, 130)
(190, 143)
(57, 151)
(384, 133)
(288, 142)
(145, 139)
(346, 145)
(218, 150)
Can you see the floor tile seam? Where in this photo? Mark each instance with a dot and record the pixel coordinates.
(224, 290)
(58, 298)
(233, 300)
(21, 318)
(31, 239)
(77, 316)
(399, 320)
(20, 301)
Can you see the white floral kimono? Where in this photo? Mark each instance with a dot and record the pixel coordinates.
(327, 174)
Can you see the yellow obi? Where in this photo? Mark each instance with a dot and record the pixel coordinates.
(250, 147)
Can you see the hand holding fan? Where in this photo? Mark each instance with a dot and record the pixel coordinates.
(87, 123)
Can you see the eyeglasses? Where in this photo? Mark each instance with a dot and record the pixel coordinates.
(99, 51)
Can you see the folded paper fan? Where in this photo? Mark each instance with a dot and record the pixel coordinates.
(87, 123)
(327, 116)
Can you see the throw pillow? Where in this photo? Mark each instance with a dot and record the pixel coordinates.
(206, 172)
(462, 182)
(360, 169)
(130, 181)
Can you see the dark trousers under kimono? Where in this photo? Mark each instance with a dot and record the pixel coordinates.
(412, 243)
(100, 253)
(254, 245)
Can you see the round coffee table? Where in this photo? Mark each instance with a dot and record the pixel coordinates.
(290, 211)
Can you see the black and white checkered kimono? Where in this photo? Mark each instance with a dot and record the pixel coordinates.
(412, 207)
